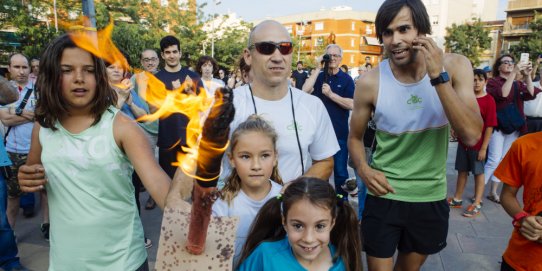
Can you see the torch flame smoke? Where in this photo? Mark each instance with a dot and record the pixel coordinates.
(185, 99)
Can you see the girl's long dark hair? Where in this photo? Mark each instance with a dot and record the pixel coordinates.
(51, 106)
(267, 226)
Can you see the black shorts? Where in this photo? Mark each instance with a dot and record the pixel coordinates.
(387, 225)
(467, 160)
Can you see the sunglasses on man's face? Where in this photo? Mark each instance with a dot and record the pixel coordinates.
(268, 47)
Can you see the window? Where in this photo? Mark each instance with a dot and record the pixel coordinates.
(351, 58)
(352, 42)
(319, 26)
(368, 30)
(319, 41)
(434, 20)
(353, 25)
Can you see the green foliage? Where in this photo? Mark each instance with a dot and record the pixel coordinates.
(34, 27)
(532, 43)
(138, 25)
(469, 39)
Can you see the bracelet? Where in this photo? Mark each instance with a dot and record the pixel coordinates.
(518, 217)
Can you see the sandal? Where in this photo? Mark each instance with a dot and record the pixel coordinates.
(494, 198)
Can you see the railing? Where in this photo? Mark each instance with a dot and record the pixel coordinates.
(520, 28)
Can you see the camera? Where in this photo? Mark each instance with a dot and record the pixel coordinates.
(326, 58)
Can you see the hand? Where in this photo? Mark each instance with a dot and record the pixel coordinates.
(375, 181)
(482, 155)
(326, 89)
(531, 228)
(525, 68)
(434, 56)
(31, 178)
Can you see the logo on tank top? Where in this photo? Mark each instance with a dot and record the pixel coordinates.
(291, 127)
(414, 102)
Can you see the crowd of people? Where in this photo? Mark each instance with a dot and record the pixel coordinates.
(74, 135)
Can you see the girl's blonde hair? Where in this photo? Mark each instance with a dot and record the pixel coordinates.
(254, 123)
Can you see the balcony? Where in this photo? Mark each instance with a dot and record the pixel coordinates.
(516, 30)
(371, 49)
(524, 5)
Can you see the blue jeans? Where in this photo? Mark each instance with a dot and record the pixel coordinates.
(8, 247)
(362, 189)
(340, 171)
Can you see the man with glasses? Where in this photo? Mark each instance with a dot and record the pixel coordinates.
(149, 60)
(336, 89)
(306, 141)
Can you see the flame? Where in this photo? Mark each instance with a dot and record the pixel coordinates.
(185, 99)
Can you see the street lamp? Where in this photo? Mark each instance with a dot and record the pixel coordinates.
(217, 2)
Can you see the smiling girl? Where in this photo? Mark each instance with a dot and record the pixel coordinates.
(308, 227)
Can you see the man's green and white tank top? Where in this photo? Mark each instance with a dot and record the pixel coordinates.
(94, 220)
(412, 135)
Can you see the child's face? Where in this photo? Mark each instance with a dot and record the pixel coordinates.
(308, 227)
(78, 77)
(253, 157)
(479, 83)
(115, 73)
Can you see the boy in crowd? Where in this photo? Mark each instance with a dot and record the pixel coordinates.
(472, 159)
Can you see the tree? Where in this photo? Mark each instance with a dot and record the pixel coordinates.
(532, 43)
(32, 22)
(469, 39)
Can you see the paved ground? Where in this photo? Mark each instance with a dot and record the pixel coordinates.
(474, 244)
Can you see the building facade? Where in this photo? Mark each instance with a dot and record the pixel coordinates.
(353, 31)
(519, 15)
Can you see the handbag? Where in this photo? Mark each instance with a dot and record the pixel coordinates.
(509, 118)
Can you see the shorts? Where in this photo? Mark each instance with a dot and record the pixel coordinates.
(17, 160)
(387, 225)
(467, 160)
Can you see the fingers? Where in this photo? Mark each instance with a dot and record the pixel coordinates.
(378, 184)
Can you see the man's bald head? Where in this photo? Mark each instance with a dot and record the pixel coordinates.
(267, 24)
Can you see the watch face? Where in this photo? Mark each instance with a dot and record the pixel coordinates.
(445, 77)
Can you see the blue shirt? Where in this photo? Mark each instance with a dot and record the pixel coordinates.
(278, 255)
(137, 100)
(4, 158)
(342, 85)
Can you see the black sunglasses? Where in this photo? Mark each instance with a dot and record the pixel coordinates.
(268, 47)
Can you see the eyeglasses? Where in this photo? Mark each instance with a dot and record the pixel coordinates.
(506, 62)
(335, 55)
(150, 59)
(268, 47)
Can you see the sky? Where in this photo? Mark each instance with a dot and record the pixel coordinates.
(250, 10)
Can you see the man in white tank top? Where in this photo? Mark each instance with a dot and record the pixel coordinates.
(415, 95)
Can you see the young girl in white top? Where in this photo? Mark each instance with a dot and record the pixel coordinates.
(254, 178)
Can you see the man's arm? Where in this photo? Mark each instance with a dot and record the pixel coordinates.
(9, 118)
(8, 92)
(531, 226)
(364, 100)
(320, 169)
(308, 86)
(344, 102)
(456, 96)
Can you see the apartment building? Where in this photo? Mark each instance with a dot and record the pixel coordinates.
(519, 15)
(353, 30)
